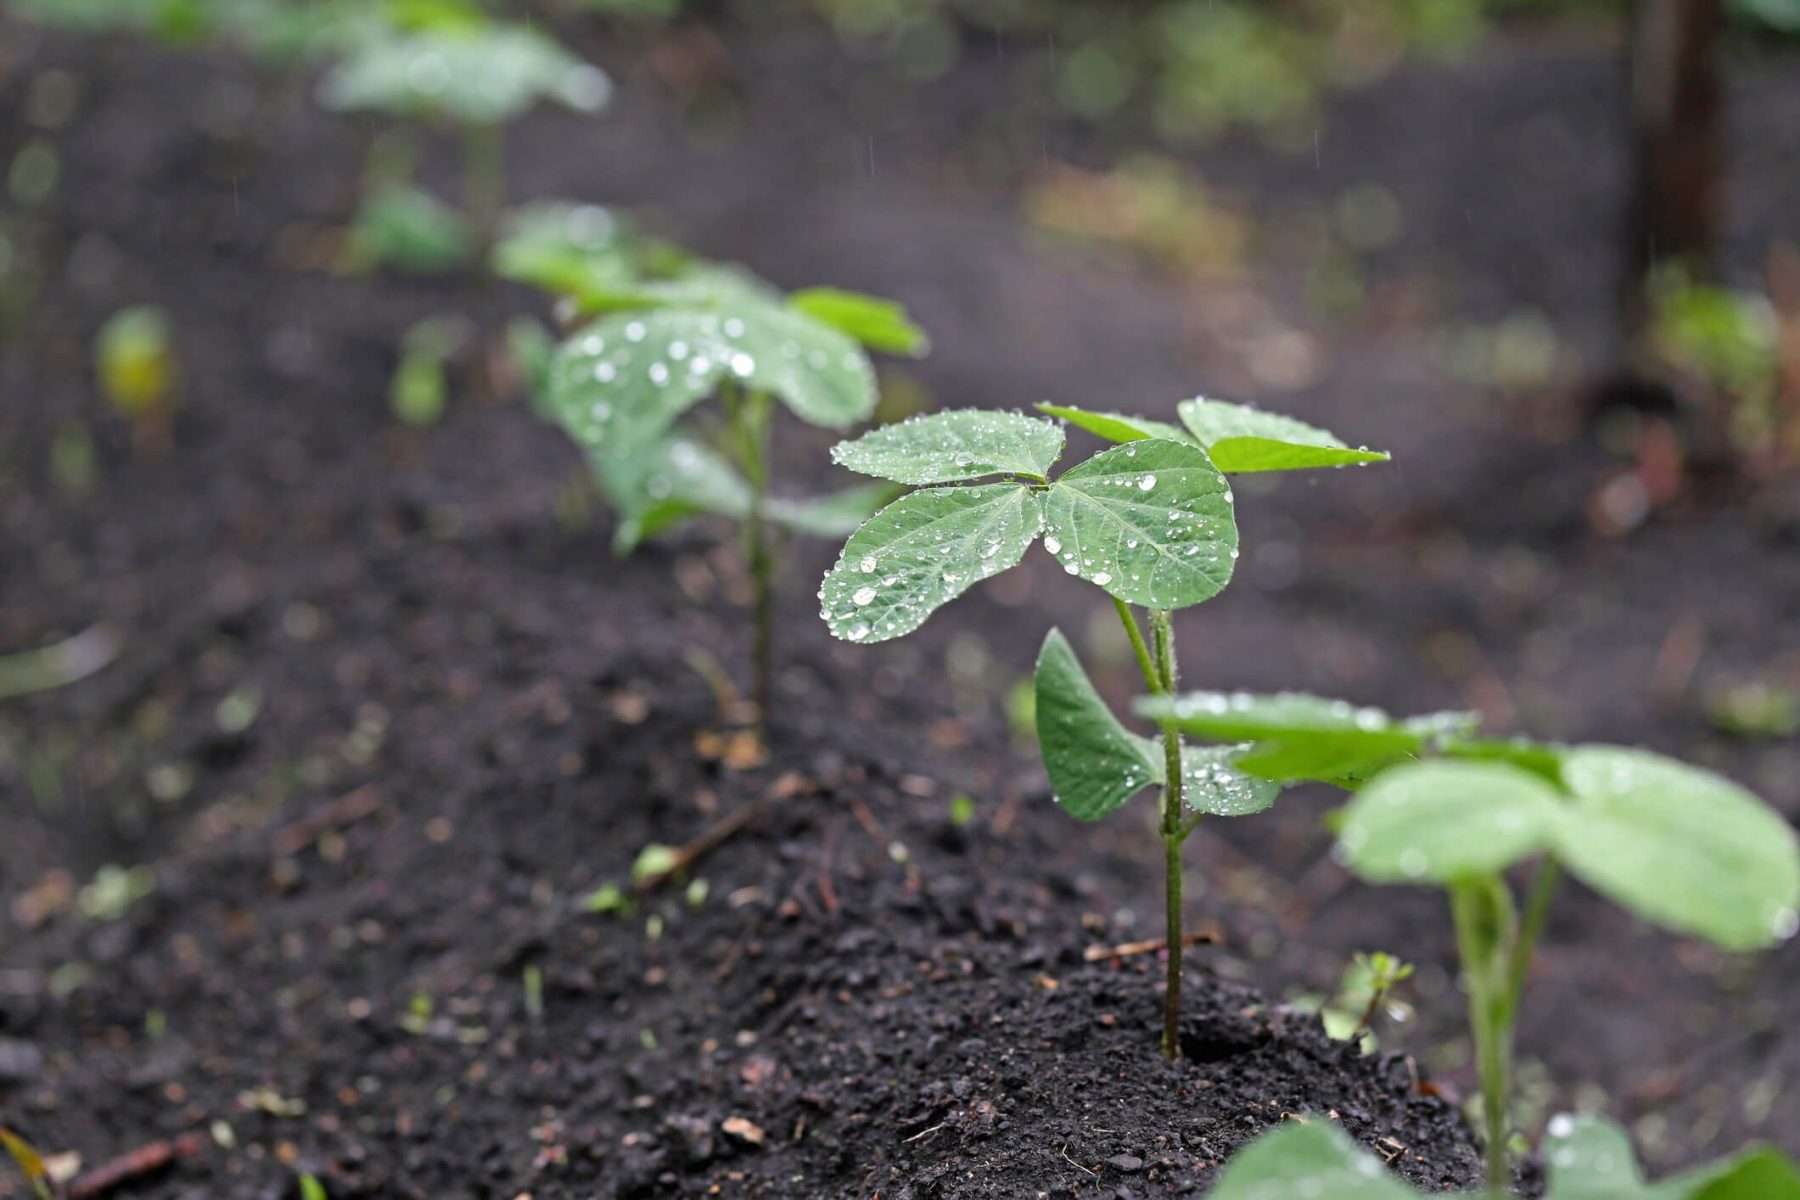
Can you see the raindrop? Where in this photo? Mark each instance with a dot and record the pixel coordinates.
(865, 595)
(1146, 483)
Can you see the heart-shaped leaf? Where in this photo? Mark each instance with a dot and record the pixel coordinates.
(1149, 522)
(1310, 1158)
(878, 324)
(1115, 427)
(1095, 764)
(1242, 439)
(1442, 821)
(1683, 847)
(948, 447)
(922, 551)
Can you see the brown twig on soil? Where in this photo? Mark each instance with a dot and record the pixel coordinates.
(828, 893)
(129, 1168)
(347, 809)
(1076, 1165)
(1193, 937)
(689, 853)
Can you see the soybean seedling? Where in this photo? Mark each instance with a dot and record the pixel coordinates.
(1587, 1159)
(1149, 522)
(620, 384)
(448, 63)
(1679, 846)
(139, 373)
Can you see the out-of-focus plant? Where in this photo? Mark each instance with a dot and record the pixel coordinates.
(420, 387)
(445, 62)
(1728, 341)
(1588, 1159)
(29, 1162)
(621, 384)
(139, 371)
(1679, 846)
(1152, 206)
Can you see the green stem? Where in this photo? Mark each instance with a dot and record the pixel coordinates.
(1173, 834)
(1483, 951)
(484, 182)
(750, 427)
(1137, 644)
(1531, 927)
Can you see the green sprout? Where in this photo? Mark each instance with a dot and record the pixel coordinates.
(139, 372)
(1588, 1159)
(420, 387)
(620, 384)
(1150, 522)
(451, 65)
(1679, 846)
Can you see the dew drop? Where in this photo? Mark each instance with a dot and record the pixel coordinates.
(864, 595)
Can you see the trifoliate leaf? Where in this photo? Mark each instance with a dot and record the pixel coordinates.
(488, 74)
(1442, 821)
(922, 551)
(878, 324)
(1095, 764)
(1680, 846)
(1242, 439)
(948, 447)
(1115, 427)
(1307, 1158)
(1149, 522)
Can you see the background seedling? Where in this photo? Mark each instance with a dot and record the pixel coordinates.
(139, 373)
(1150, 523)
(620, 384)
(1677, 845)
(447, 63)
(420, 387)
(1587, 1158)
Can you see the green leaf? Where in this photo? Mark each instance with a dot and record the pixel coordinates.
(832, 516)
(409, 228)
(948, 447)
(1301, 737)
(623, 380)
(821, 375)
(1541, 759)
(1442, 821)
(1683, 847)
(1095, 764)
(474, 75)
(1242, 439)
(1307, 1158)
(573, 250)
(921, 552)
(878, 324)
(1149, 522)
(1758, 1173)
(656, 487)
(311, 1188)
(29, 1161)
(1212, 783)
(1114, 427)
(1591, 1159)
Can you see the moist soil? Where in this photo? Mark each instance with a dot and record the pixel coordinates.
(387, 712)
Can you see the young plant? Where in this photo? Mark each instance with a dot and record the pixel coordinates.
(620, 385)
(1679, 846)
(1149, 522)
(448, 63)
(139, 373)
(1587, 1158)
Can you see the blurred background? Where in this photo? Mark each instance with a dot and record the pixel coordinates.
(272, 501)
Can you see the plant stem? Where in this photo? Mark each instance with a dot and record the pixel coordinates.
(1137, 644)
(1537, 912)
(1162, 629)
(484, 183)
(750, 428)
(1485, 959)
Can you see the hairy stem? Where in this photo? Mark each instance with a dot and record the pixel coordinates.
(1137, 645)
(1173, 834)
(1484, 953)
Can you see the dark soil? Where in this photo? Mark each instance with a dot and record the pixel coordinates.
(892, 1003)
